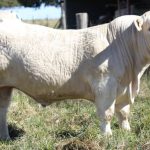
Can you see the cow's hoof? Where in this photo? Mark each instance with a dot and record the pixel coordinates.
(5, 139)
(108, 133)
(106, 129)
(126, 125)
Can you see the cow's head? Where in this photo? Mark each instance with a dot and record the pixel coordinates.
(143, 22)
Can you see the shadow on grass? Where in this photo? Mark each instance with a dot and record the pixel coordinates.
(15, 132)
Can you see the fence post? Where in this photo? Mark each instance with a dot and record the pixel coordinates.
(82, 20)
(63, 15)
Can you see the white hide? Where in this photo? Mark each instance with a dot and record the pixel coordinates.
(103, 64)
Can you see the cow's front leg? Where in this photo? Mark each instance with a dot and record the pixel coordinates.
(105, 103)
(122, 109)
(105, 113)
(5, 97)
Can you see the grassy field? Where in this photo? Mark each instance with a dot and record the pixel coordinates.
(73, 125)
(53, 23)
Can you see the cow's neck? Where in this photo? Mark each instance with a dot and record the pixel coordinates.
(134, 51)
(121, 43)
(141, 52)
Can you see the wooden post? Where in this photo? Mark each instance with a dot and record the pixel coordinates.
(63, 14)
(82, 20)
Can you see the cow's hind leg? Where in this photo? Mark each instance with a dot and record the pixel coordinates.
(105, 103)
(122, 109)
(5, 97)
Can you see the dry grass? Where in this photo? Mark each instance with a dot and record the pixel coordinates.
(53, 23)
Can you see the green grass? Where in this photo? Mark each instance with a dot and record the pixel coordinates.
(73, 125)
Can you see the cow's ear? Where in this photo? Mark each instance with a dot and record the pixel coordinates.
(138, 24)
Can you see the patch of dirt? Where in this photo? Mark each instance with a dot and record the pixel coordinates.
(66, 134)
(78, 145)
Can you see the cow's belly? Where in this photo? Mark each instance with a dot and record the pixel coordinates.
(46, 96)
(48, 90)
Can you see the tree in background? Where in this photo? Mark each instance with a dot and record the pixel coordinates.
(28, 3)
(9, 3)
(37, 3)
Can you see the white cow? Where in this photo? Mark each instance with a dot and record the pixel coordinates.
(103, 64)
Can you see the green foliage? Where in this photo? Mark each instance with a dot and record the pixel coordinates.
(37, 3)
(28, 3)
(8, 3)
